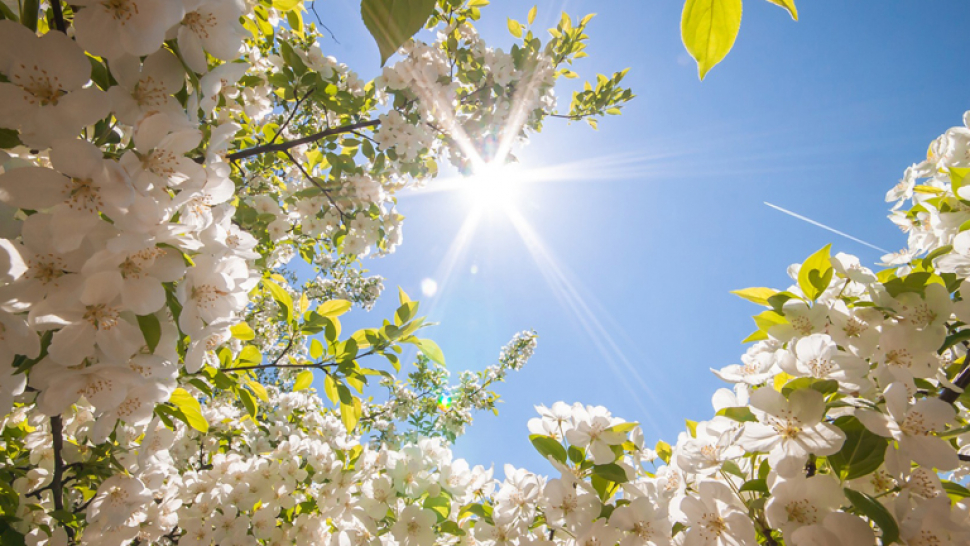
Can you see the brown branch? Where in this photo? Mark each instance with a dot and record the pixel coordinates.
(59, 23)
(284, 146)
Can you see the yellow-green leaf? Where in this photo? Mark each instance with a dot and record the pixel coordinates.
(788, 5)
(431, 350)
(191, 408)
(350, 414)
(663, 451)
(532, 14)
(708, 29)
(815, 273)
(330, 388)
(304, 380)
(286, 5)
(515, 28)
(259, 390)
(243, 331)
(316, 349)
(757, 295)
(334, 308)
(281, 296)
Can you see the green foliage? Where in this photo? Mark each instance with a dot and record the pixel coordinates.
(393, 22)
(548, 446)
(870, 507)
(861, 454)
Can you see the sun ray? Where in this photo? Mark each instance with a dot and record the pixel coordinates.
(571, 298)
(453, 257)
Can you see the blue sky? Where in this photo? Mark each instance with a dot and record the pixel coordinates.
(819, 116)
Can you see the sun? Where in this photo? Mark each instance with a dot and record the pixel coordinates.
(494, 186)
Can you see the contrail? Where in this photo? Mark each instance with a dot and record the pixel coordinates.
(825, 227)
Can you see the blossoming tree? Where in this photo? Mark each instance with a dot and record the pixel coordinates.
(164, 161)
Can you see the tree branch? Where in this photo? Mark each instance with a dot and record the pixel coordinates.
(59, 23)
(284, 146)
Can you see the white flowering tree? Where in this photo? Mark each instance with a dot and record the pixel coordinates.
(165, 163)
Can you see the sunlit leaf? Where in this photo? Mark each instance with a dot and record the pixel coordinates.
(708, 29)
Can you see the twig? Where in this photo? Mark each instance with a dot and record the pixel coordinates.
(313, 7)
(317, 184)
(296, 108)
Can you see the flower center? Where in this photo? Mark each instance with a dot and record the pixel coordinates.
(121, 10)
(84, 195)
(101, 316)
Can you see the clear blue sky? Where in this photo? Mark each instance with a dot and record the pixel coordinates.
(820, 116)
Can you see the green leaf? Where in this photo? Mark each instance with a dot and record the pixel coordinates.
(303, 380)
(788, 5)
(816, 273)
(548, 446)
(958, 178)
(151, 329)
(604, 488)
(756, 295)
(576, 455)
(612, 472)
(955, 491)
(281, 296)
(759, 486)
(451, 528)
(9, 138)
(741, 414)
(249, 401)
(191, 408)
(333, 308)
(431, 350)
(440, 506)
(243, 331)
(402, 296)
(532, 14)
(870, 507)
(824, 386)
(708, 29)
(861, 454)
(28, 13)
(393, 22)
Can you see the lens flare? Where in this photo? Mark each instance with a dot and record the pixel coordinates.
(444, 402)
